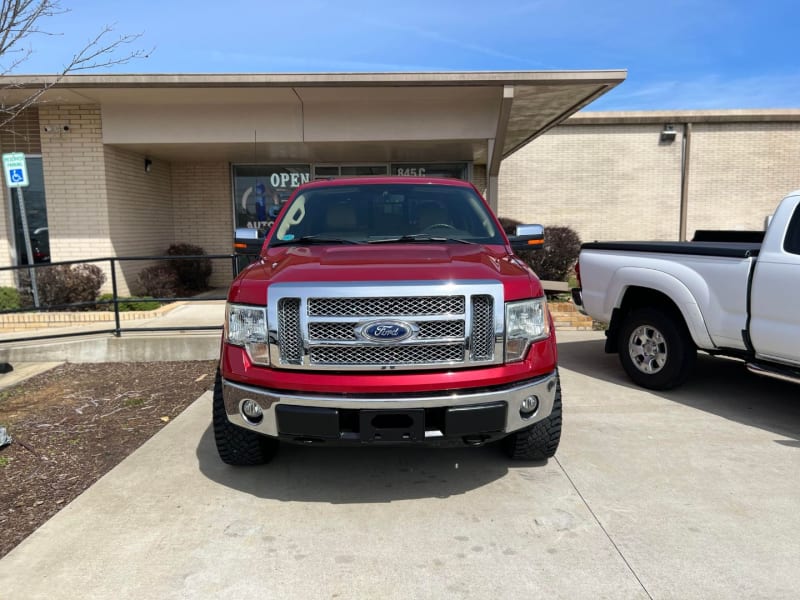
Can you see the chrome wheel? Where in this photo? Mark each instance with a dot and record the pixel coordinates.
(647, 349)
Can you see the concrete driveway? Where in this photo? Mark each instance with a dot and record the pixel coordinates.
(688, 494)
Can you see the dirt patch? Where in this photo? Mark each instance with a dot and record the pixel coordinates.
(74, 423)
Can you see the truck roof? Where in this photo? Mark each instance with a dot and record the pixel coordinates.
(386, 179)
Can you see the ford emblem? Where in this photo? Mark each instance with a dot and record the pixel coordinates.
(386, 331)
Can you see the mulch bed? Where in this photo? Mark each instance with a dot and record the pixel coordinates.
(74, 423)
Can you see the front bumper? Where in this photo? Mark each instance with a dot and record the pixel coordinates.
(491, 412)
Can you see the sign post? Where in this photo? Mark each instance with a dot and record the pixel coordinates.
(16, 172)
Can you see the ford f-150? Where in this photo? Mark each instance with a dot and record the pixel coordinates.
(388, 310)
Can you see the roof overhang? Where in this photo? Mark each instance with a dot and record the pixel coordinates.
(460, 109)
(649, 117)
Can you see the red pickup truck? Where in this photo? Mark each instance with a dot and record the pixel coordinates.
(388, 310)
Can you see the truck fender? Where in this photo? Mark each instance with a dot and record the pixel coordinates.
(627, 277)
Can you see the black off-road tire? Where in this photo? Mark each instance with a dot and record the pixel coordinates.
(540, 440)
(674, 353)
(236, 445)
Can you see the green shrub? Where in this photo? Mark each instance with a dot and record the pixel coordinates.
(129, 304)
(555, 261)
(158, 281)
(193, 273)
(9, 298)
(64, 284)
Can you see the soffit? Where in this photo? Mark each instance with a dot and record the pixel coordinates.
(541, 99)
(317, 152)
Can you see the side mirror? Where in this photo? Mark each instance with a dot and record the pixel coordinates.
(528, 237)
(247, 240)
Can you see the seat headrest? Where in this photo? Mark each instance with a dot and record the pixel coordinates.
(341, 216)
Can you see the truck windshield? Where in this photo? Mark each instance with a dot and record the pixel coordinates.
(387, 213)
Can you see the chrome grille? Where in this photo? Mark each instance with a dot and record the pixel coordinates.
(401, 354)
(441, 329)
(332, 331)
(346, 331)
(482, 328)
(290, 338)
(454, 324)
(385, 307)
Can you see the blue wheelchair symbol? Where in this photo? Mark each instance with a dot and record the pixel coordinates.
(16, 175)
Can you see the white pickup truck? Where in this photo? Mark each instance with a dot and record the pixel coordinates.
(726, 293)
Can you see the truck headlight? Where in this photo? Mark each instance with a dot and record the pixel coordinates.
(526, 322)
(246, 326)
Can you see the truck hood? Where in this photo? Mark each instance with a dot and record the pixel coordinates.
(385, 262)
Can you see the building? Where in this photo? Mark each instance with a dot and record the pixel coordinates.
(125, 165)
(655, 175)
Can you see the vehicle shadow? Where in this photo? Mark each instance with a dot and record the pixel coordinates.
(718, 385)
(371, 474)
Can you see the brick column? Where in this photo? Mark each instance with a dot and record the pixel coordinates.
(203, 211)
(75, 181)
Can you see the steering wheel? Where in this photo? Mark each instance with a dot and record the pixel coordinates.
(441, 226)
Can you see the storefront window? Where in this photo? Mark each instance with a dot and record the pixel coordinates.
(359, 170)
(454, 170)
(260, 190)
(36, 213)
(349, 170)
(326, 171)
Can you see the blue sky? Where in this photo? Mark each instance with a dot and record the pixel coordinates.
(680, 54)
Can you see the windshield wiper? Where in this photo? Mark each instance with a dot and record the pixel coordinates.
(313, 239)
(418, 237)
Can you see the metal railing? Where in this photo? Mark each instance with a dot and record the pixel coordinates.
(237, 261)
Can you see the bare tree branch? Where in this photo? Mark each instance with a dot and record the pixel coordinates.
(21, 19)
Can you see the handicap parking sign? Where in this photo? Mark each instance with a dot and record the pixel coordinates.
(15, 169)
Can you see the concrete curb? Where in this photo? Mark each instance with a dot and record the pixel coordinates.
(129, 348)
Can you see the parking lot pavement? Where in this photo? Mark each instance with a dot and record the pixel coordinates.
(686, 494)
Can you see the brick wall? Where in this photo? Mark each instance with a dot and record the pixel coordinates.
(139, 208)
(618, 181)
(203, 211)
(22, 134)
(75, 182)
(739, 172)
(607, 182)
